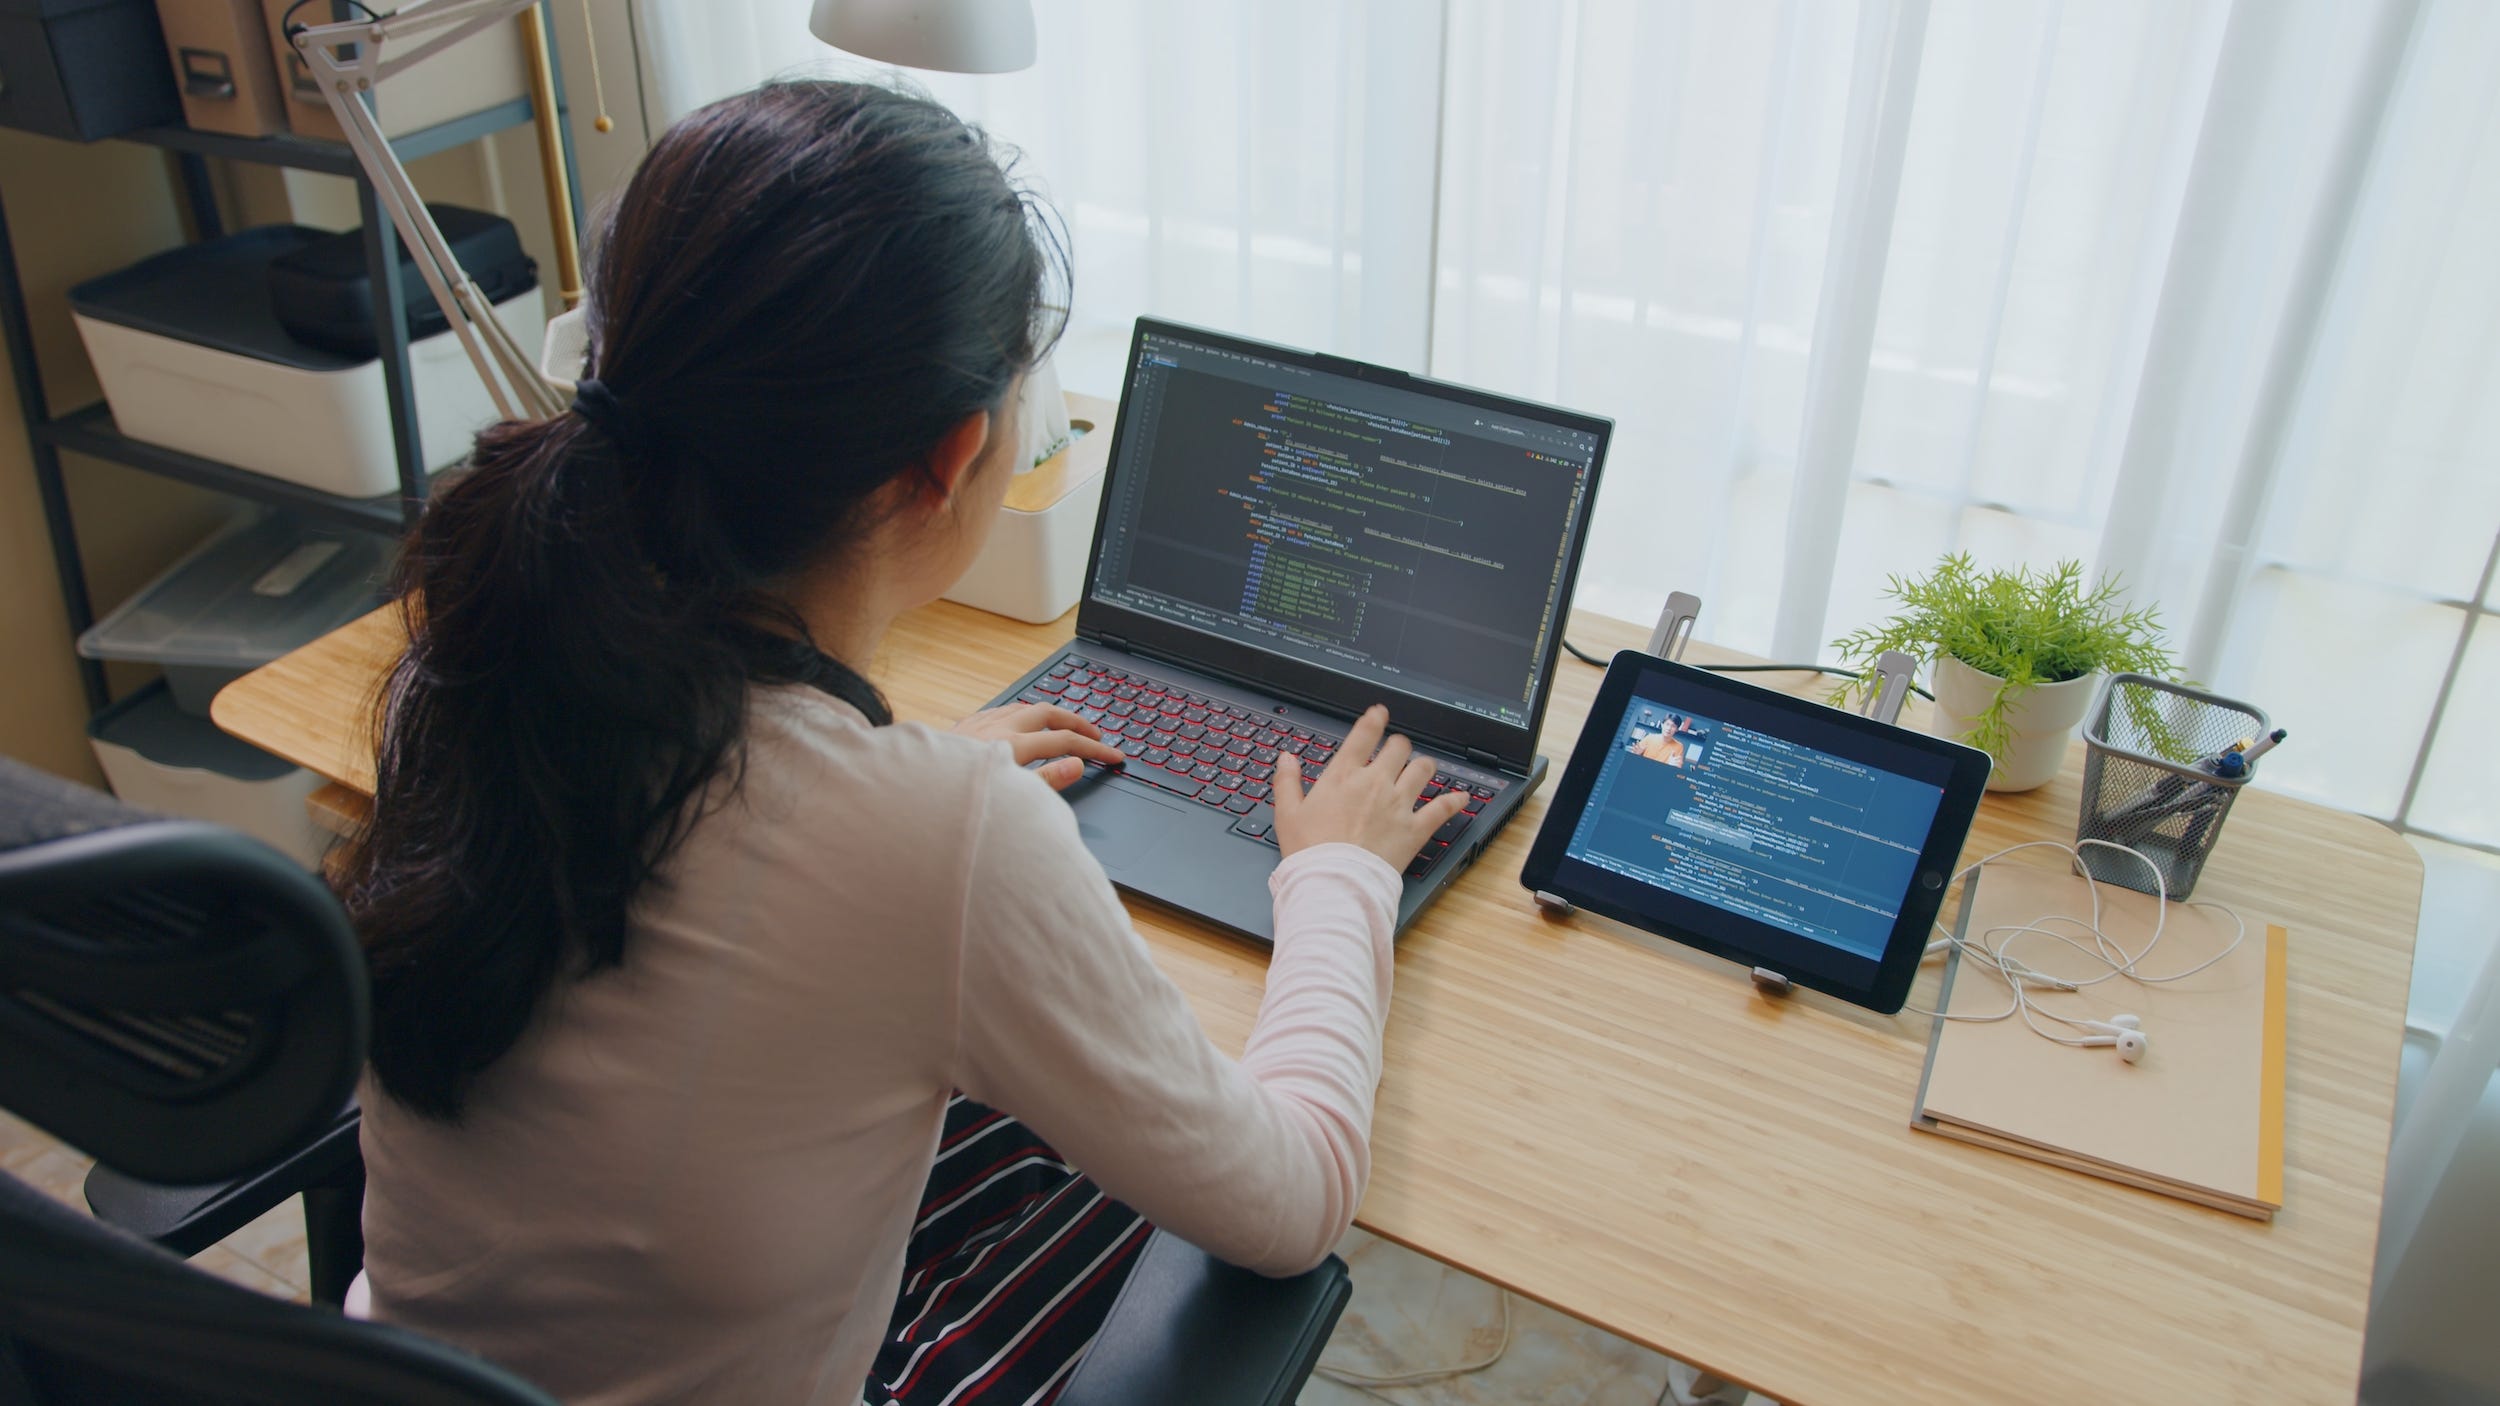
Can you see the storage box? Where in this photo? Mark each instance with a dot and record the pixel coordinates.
(191, 357)
(223, 67)
(160, 758)
(322, 293)
(484, 70)
(259, 589)
(84, 69)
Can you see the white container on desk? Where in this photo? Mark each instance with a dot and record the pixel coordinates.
(1033, 567)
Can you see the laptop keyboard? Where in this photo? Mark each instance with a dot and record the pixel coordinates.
(1216, 753)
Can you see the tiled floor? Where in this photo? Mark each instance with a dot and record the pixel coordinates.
(267, 1255)
(1412, 1315)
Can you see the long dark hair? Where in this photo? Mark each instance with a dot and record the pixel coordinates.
(802, 289)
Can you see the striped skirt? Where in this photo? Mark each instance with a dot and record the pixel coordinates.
(1012, 1268)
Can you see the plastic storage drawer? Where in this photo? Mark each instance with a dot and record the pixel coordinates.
(191, 356)
(160, 758)
(242, 598)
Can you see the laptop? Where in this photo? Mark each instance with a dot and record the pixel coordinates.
(1287, 538)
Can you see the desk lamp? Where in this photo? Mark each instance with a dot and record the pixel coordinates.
(957, 36)
(347, 60)
(950, 36)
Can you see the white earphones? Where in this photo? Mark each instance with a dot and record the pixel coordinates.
(2124, 1033)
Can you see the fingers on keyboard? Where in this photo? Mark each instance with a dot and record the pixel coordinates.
(1218, 754)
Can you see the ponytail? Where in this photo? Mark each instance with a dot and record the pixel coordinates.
(591, 602)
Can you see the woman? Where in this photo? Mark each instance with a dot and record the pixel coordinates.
(681, 952)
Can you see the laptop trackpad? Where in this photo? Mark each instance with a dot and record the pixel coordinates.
(1121, 827)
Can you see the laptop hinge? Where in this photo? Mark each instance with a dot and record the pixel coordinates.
(1115, 641)
(1484, 758)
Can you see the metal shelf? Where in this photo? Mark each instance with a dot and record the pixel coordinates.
(92, 432)
(332, 158)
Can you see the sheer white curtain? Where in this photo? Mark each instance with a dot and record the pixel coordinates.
(1264, 168)
(2204, 293)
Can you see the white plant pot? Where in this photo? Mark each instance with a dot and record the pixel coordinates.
(2041, 721)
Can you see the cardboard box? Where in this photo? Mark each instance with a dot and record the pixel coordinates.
(222, 64)
(485, 70)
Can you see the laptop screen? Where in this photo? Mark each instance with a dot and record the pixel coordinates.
(1406, 535)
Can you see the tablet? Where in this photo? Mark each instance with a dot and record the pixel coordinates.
(1770, 830)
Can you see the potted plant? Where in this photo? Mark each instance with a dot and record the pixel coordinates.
(2014, 656)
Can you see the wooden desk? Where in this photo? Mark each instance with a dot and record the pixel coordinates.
(1620, 1128)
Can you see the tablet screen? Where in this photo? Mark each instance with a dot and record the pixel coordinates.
(1790, 835)
(1769, 829)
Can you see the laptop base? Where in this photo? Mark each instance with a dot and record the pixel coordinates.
(1205, 860)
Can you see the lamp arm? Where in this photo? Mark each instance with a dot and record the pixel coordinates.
(390, 182)
(497, 358)
(461, 18)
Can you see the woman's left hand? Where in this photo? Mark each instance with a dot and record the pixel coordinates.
(1034, 731)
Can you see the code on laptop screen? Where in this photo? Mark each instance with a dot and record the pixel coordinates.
(1379, 531)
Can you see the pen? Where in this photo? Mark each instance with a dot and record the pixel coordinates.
(2234, 764)
(2233, 767)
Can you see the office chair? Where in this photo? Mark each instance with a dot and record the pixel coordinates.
(190, 1007)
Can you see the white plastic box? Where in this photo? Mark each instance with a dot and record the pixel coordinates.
(1033, 566)
(191, 357)
(160, 758)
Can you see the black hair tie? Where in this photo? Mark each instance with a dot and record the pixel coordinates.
(596, 402)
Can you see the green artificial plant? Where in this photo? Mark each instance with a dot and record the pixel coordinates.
(2025, 628)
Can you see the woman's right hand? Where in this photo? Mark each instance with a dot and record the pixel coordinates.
(1363, 797)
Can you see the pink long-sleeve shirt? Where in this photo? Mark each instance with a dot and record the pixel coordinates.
(694, 1178)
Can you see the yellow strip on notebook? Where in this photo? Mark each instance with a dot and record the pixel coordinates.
(2270, 1110)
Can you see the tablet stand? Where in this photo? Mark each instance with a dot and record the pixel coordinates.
(1675, 626)
(1889, 688)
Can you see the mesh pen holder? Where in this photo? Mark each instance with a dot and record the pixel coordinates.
(2137, 793)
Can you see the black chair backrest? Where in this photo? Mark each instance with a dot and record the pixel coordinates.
(92, 1316)
(187, 1005)
(177, 999)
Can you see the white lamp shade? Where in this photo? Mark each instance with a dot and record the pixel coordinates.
(951, 36)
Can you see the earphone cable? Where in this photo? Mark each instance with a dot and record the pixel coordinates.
(1990, 948)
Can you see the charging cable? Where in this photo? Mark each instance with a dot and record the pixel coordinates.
(1835, 671)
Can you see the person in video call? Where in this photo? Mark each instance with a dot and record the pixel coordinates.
(1667, 743)
(734, 1042)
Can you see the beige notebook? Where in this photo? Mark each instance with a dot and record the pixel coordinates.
(2199, 1117)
